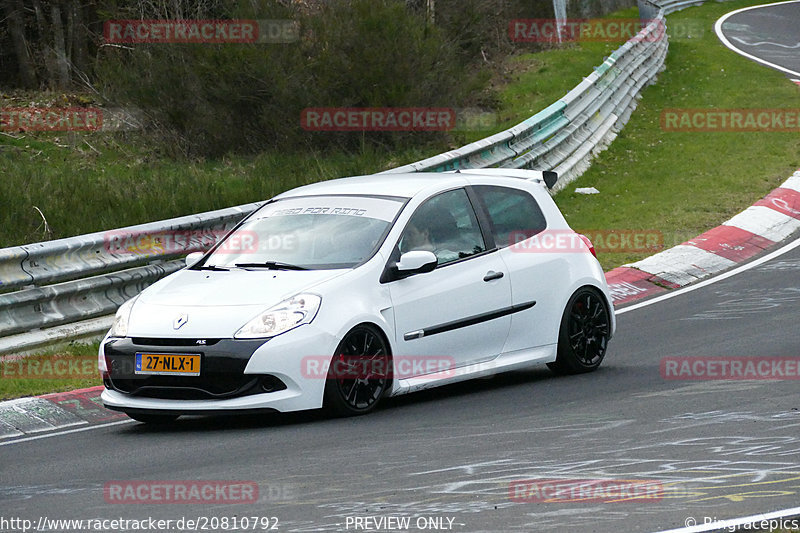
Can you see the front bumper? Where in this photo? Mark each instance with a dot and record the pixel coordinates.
(283, 401)
(235, 375)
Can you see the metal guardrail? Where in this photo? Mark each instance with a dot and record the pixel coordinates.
(68, 288)
(47, 285)
(567, 134)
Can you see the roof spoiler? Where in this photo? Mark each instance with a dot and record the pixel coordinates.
(549, 177)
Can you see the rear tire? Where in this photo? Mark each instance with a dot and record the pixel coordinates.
(584, 333)
(359, 374)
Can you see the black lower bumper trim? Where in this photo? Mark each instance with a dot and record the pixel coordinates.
(184, 412)
(221, 370)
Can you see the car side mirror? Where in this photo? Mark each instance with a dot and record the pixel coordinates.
(409, 264)
(416, 262)
(193, 258)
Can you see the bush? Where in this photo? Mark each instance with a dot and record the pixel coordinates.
(208, 100)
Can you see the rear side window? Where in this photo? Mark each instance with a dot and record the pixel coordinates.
(514, 214)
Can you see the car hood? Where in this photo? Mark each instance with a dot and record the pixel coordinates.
(215, 304)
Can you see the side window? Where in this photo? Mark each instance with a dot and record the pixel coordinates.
(445, 225)
(514, 214)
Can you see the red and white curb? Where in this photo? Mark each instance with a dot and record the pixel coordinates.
(756, 229)
(62, 410)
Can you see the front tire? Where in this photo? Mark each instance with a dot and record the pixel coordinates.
(584, 333)
(359, 374)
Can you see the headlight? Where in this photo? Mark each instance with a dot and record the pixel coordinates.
(288, 314)
(120, 326)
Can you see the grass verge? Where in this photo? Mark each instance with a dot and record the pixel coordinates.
(50, 370)
(684, 183)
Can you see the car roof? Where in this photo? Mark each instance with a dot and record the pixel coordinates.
(404, 185)
(408, 185)
(401, 185)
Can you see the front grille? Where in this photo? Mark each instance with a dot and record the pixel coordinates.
(222, 366)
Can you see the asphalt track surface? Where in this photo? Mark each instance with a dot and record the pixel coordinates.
(770, 33)
(721, 449)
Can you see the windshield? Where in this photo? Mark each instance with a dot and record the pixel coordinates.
(314, 232)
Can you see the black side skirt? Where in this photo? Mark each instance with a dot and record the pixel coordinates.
(468, 321)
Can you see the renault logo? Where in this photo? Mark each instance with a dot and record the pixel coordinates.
(180, 321)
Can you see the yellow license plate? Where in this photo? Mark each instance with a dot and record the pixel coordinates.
(168, 364)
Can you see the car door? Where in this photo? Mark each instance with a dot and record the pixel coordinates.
(458, 313)
(537, 275)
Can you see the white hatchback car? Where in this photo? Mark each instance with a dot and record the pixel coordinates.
(342, 292)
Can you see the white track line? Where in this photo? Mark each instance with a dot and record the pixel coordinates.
(67, 432)
(747, 266)
(731, 524)
(726, 42)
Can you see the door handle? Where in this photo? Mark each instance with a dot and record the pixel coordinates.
(491, 275)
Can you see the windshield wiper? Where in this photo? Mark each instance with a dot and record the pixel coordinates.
(210, 267)
(272, 265)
